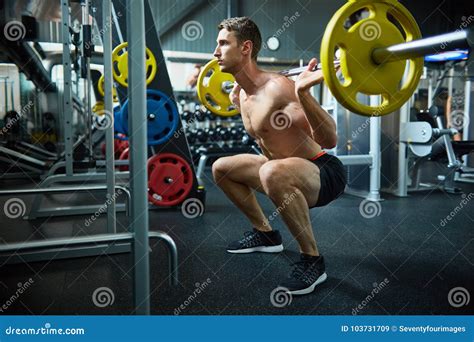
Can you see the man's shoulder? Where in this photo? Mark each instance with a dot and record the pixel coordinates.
(278, 84)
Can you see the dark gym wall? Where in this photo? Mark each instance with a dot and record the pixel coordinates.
(300, 35)
(440, 16)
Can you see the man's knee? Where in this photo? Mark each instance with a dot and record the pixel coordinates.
(220, 168)
(274, 177)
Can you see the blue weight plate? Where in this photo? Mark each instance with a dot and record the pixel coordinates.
(118, 125)
(162, 115)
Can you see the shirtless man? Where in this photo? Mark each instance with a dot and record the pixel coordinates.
(291, 129)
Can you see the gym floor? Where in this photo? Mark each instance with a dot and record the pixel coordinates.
(404, 261)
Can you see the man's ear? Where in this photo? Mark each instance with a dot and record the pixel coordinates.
(247, 47)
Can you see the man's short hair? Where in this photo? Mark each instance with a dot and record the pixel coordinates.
(245, 29)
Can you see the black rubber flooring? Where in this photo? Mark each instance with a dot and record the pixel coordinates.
(404, 261)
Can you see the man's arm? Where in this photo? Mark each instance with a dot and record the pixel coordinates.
(322, 125)
(235, 95)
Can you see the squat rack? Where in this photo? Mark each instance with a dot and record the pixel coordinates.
(137, 240)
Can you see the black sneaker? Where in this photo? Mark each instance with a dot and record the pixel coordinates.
(257, 241)
(306, 275)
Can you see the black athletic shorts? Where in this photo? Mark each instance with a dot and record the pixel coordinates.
(333, 178)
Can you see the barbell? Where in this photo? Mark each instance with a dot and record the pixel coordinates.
(214, 87)
(373, 59)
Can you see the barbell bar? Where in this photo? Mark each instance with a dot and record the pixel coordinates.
(421, 47)
(228, 85)
(416, 48)
(373, 59)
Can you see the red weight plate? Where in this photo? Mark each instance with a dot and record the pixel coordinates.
(124, 156)
(170, 179)
(119, 146)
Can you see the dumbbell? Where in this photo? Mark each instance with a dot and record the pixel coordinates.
(199, 115)
(186, 116)
(212, 135)
(235, 134)
(223, 134)
(242, 130)
(191, 135)
(247, 140)
(209, 116)
(201, 136)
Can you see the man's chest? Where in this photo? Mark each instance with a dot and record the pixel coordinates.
(256, 114)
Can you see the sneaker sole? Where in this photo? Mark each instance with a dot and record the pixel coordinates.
(322, 278)
(262, 249)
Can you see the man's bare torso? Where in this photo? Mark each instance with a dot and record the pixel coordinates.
(279, 125)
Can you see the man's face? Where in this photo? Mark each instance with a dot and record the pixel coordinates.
(228, 51)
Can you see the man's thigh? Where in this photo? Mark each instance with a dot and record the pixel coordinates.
(241, 168)
(300, 173)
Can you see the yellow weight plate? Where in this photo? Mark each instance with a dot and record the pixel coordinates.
(211, 90)
(120, 64)
(361, 74)
(98, 108)
(100, 87)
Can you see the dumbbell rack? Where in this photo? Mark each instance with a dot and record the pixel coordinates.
(212, 136)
